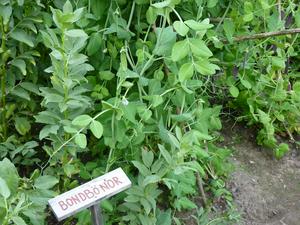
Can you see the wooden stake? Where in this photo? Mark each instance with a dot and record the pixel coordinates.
(97, 218)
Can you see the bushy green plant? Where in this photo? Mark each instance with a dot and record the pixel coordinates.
(88, 86)
(260, 75)
(23, 200)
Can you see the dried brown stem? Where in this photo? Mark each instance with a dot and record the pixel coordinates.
(265, 35)
(200, 187)
(292, 139)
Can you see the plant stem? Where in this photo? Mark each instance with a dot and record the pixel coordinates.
(70, 139)
(131, 15)
(3, 81)
(200, 188)
(292, 139)
(224, 15)
(265, 35)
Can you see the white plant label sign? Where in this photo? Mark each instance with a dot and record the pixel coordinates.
(88, 194)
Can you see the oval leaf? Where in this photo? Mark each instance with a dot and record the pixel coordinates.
(180, 50)
(198, 26)
(234, 91)
(20, 64)
(80, 140)
(18, 220)
(76, 33)
(186, 72)
(45, 182)
(181, 28)
(96, 128)
(4, 190)
(151, 180)
(82, 120)
(21, 36)
(199, 48)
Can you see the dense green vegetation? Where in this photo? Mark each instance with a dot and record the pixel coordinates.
(91, 85)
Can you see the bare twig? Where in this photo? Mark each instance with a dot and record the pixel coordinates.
(265, 35)
(292, 139)
(200, 187)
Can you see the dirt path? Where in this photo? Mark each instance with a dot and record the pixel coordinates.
(266, 191)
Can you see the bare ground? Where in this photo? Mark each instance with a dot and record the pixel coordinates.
(266, 191)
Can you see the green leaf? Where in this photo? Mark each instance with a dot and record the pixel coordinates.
(186, 72)
(151, 15)
(146, 205)
(106, 205)
(184, 203)
(76, 33)
(70, 169)
(278, 62)
(30, 87)
(151, 180)
(9, 174)
(165, 154)
(204, 67)
(297, 17)
(106, 75)
(199, 48)
(265, 4)
(20, 64)
(212, 3)
(147, 157)
(166, 38)
(142, 2)
(173, 140)
(22, 125)
(246, 83)
(80, 140)
(199, 26)
(18, 220)
(180, 50)
(45, 182)
(248, 9)
(157, 100)
(264, 118)
(20, 92)
(96, 128)
(234, 91)
(99, 8)
(162, 4)
(4, 190)
(296, 87)
(82, 120)
(35, 219)
(94, 44)
(5, 13)
(229, 29)
(48, 129)
(22, 36)
(142, 169)
(182, 117)
(203, 136)
(181, 28)
(68, 8)
(281, 150)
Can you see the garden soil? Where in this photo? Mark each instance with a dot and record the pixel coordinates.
(266, 191)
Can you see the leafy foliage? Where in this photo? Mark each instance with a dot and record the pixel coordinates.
(88, 86)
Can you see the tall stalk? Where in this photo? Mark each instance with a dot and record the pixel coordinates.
(4, 57)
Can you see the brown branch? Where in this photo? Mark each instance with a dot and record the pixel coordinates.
(265, 35)
(200, 187)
